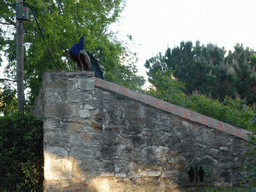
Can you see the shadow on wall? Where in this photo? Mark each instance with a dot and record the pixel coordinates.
(65, 174)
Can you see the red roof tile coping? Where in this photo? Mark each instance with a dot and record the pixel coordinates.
(141, 97)
(150, 100)
(114, 87)
(159, 104)
(123, 91)
(105, 84)
(167, 107)
(177, 110)
(186, 114)
(212, 122)
(194, 116)
(174, 109)
(97, 82)
(203, 120)
(220, 126)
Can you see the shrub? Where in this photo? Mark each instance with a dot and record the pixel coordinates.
(231, 111)
(167, 88)
(21, 153)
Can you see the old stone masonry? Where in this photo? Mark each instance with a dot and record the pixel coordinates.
(99, 136)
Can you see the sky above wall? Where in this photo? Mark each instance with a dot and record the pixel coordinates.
(156, 25)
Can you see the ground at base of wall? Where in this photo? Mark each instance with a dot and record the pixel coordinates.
(112, 184)
(225, 189)
(153, 189)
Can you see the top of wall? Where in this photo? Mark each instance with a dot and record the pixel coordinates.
(173, 109)
(37, 109)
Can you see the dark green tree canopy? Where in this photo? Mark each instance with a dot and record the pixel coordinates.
(209, 70)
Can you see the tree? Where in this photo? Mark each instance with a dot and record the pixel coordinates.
(167, 88)
(189, 64)
(8, 101)
(207, 70)
(244, 66)
(62, 21)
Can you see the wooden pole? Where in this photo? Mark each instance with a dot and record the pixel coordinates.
(20, 62)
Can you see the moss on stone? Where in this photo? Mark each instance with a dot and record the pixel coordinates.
(96, 126)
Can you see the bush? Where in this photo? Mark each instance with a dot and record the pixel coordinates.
(167, 88)
(231, 111)
(21, 153)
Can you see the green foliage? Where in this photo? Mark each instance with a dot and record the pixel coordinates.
(241, 114)
(232, 111)
(8, 101)
(207, 106)
(208, 70)
(125, 76)
(21, 152)
(167, 88)
(62, 22)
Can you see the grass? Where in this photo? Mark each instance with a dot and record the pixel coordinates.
(236, 189)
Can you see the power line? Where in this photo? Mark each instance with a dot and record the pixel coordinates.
(42, 35)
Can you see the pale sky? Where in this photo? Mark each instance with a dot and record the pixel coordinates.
(157, 24)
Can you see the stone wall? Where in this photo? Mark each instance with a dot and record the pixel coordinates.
(99, 136)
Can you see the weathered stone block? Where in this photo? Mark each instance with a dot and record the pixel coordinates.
(117, 169)
(56, 169)
(120, 175)
(60, 110)
(58, 152)
(85, 97)
(49, 137)
(88, 107)
(224, 148)
(170, 174)
(86, 84)
(74, 96)
(215, 153)
(53, 96)
(60, 85)
(151, 173)
(49, 124)
(84, 113)
(133, 175)
(64, 183)
(107, 174)
(74, 127)
(201, 145)
(38, 107)
(80, 153)
(90, 139)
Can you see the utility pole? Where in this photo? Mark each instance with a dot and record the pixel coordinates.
(20, 61)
